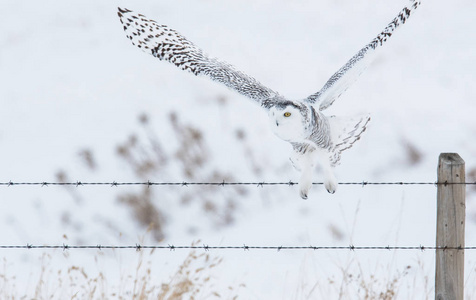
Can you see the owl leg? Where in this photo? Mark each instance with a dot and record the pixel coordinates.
(330, 181)
(305, 182)
(305, 164)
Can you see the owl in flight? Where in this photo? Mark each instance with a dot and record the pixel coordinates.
(315, 137)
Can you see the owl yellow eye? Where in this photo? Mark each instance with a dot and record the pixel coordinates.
(287, 114)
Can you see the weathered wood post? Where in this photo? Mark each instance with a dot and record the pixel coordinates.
(449, 280)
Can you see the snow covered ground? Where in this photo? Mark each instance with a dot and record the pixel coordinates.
(73, 90)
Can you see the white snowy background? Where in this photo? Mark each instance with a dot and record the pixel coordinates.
(73, 89)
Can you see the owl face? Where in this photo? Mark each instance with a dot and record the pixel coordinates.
(287, 122)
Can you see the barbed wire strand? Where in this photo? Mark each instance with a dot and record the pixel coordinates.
(223, 183)
(245, 247)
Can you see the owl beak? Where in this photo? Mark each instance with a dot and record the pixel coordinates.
(277, 124)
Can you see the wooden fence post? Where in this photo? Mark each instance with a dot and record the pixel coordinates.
(449, 278)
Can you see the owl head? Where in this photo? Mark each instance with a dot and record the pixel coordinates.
(288, 121)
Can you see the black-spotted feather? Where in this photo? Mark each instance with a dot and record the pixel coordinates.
(169, 45)
(348, 74)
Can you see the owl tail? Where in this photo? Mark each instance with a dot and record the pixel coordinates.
(345, 131)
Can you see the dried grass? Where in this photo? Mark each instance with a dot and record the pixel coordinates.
(193, 279)
(413, 155)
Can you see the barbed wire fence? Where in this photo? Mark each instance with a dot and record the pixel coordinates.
(450, 243)
(139, 247)
(222, 183)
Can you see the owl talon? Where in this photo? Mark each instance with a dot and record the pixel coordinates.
(305, 185)
(331, 187)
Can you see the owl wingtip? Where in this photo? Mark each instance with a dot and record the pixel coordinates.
(123, 10)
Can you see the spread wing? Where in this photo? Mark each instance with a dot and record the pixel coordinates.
(345, 76)
(167, 44)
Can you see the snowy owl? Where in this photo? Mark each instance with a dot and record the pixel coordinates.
(315, 137)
